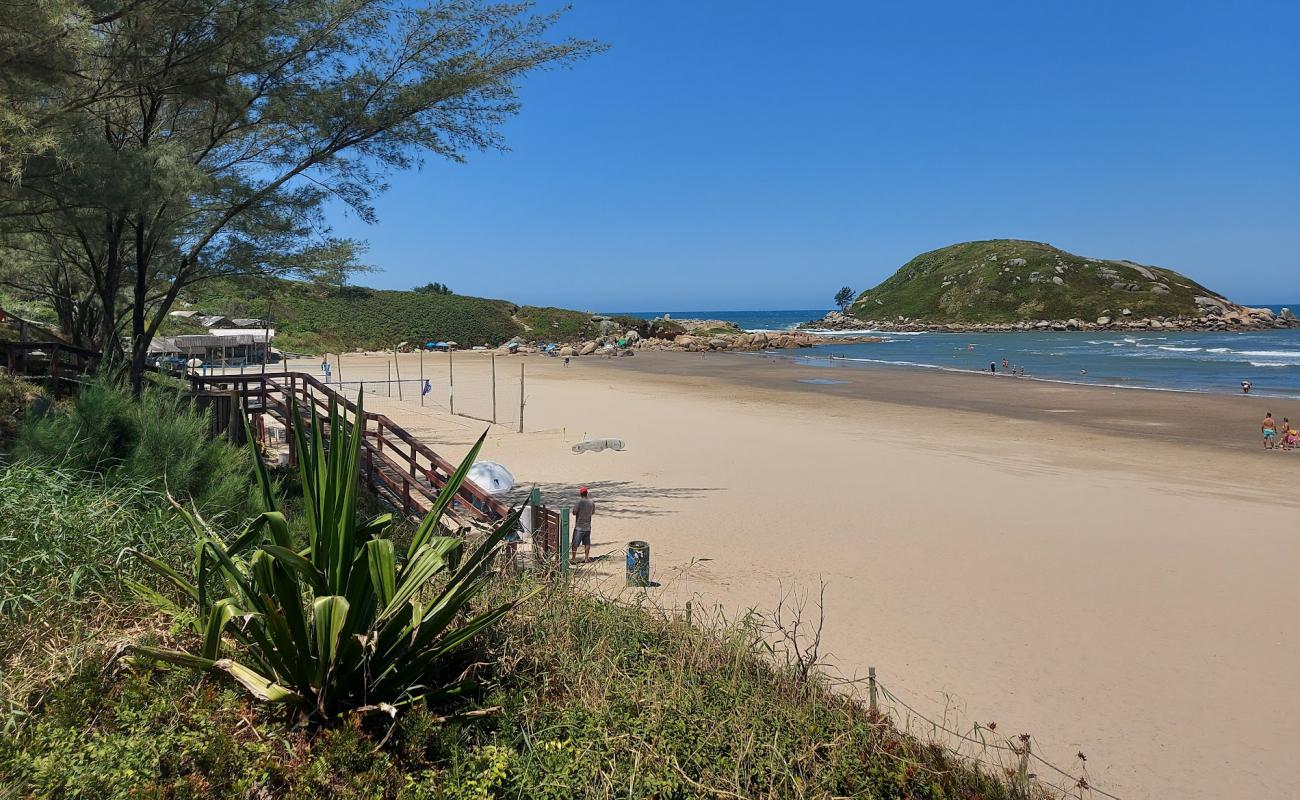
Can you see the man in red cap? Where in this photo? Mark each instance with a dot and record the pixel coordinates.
(582, 511)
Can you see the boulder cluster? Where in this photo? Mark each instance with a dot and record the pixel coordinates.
(700, 336)
(1217, 315)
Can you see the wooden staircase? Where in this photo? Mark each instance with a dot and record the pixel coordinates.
(399, 468)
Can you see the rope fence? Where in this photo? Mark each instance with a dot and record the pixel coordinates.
(1010, 755)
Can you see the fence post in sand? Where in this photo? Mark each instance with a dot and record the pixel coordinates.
(397, 365)
(521, 398)
(451, 384)
(390, 378)
(565, 552)
(689, 609)
(494, 388)
(421, 377)
(871, 686)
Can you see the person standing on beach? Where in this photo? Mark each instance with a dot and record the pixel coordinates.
(1269, 429)
(582, 513)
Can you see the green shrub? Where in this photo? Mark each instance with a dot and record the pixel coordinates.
(343, 623)
(158, 439)
(16, 397)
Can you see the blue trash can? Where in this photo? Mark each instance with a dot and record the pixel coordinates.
(638, 563)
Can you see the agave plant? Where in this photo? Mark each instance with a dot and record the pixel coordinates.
(343, 623)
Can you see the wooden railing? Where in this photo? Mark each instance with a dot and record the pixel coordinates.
(394, 463)
(55, 360)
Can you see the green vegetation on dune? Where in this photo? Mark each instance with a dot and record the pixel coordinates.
(315, 318)
(1008, 280)
(598, 700)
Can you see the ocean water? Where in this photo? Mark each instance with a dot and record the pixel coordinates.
(1197, 362)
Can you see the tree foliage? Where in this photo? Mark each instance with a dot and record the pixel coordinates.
(433, 288)
(844, 298)
(202, 138)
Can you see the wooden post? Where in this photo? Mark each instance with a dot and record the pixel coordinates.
(421, 377)
(338, 365)
(406, 497)
(235, 429)
(451, 383)
(397, 365)
(534, 501)
(412, 459)
(565, 553)
(56, 356)
(521, 398)
(494, 388)
(390, 379)
(871, 685)
(688, 612)
(379, 434)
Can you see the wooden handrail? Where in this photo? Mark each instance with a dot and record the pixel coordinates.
(396, 458)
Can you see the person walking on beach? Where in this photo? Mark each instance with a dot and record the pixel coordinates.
(582, 513)
(1269, 430)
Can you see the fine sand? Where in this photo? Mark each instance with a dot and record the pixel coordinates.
(1113, 571)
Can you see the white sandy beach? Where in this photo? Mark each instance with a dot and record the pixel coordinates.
(1089, 588)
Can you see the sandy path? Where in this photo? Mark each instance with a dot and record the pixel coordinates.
(1134, 600)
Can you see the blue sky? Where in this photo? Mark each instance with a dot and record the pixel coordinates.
(734, 155)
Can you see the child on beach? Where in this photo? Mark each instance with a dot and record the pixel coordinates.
(1290, 439)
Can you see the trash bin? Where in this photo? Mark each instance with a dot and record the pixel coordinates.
(638, 563)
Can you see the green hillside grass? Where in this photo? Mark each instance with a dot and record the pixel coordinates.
(313, 318)
(1008, 280)
(318, 319)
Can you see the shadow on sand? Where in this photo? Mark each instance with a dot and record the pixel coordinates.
(618, 499)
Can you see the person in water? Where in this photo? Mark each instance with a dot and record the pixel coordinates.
(1245, 387)
(1268, 428)
(993, 367)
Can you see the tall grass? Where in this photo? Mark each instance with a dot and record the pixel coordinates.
(158, 440)
(60, 535)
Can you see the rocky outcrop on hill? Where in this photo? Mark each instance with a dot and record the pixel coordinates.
(1219, 316)
(709, 337)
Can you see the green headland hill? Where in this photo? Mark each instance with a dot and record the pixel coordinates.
(1011, 280)
(315, 318)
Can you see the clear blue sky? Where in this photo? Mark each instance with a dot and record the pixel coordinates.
(738, 155)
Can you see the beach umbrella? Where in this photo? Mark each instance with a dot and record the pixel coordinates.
(194, 362)
(491, 477)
